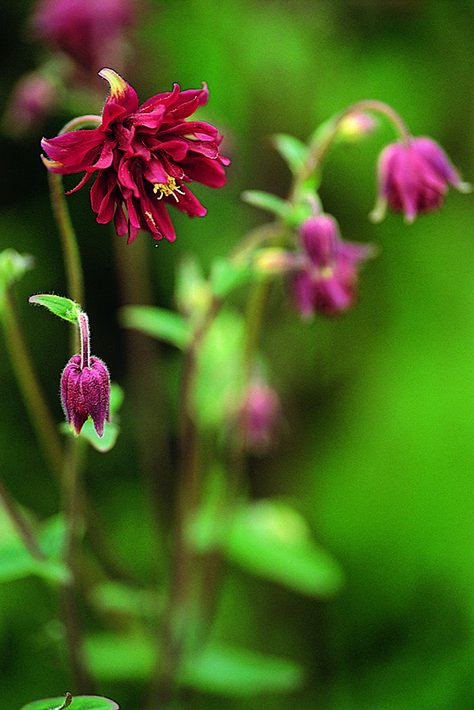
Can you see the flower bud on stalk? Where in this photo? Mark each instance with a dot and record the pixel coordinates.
(85, 386)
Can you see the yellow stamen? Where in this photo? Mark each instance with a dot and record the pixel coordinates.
(168, 189)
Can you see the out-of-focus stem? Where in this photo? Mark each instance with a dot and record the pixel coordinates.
(33, 396)
(72, 260)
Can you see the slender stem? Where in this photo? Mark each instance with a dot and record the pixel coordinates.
(85, 340)
(72, 258)
(323, 142)
(33, 396)
(22, 526)
(179, 620)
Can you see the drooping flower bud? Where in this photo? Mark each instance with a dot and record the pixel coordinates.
(85, 392)
(85, 387)
(414, 178)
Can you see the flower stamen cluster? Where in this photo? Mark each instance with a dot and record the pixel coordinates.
(168, 189)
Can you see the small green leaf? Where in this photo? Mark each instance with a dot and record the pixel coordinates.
(227, 275)
(292, 150)
(157, 322)
(266, 201)
(16, 561)
(112, 657)
(12, 267)
(79, 702)
(238, 672)
(59, 305)
(272, 540)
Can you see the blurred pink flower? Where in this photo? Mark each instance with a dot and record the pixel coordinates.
(261, 414)
(32, 100)
(142, 158)
(91, 32)
(414, 177)
(327, 282)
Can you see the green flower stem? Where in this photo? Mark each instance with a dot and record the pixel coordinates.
(324, 140)
(181, 617)
(70, 248)
(33, 396)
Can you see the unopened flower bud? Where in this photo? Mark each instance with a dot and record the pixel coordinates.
(85, 386)
(356, 125)
(85, 392)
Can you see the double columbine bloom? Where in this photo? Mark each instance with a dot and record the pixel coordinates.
(142, 158)
(414, 176)
(85, 386)
(328, 278)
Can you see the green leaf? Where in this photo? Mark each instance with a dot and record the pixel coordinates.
(79, 702)
(292, 150)
(113, 657)
(220, 376)
(59, 305)
(266, 201)
(16, 562)
(12, 267)
(232, 671)
(227, 275)
(192, 292)
(272, 540)
(157, 322)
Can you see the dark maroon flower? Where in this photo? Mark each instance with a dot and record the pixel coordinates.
(327, 282)
(414, 177)
(85, 392)
(143, 158)
(91, 32)
(85, 386)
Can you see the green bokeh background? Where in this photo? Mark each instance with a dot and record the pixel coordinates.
(378, 447)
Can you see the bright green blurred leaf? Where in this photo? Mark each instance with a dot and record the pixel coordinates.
(272, 540)
(220, 374)
(112, 657)
(292, 150)
(79, 702)
(192, 291)
(227, 275)
(233, 671)
(266, 201)
(16, 561)
(12, 267)
(59, 305)
(157, 322)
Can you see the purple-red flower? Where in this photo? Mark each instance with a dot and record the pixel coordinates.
(414, 177)
(85, 392)
(328, 280)
(142, 157)
(91, 32)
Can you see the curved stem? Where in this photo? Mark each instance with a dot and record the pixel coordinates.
(72, 260)
(323, 141)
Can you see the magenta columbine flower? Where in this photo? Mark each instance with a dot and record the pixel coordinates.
(328, 280)
(142, 157)
(85, 387)
(91, 32)
(414, 177)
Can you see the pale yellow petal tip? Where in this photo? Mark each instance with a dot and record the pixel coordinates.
(51, 164)
(118, 86)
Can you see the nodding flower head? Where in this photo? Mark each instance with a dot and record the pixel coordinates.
(328, 280)
(85, 392)
(142, 158)
(413, 178)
